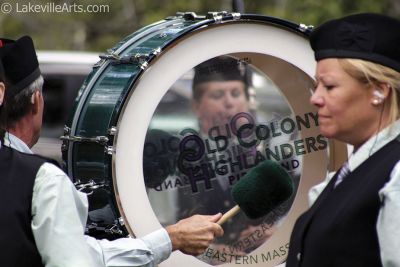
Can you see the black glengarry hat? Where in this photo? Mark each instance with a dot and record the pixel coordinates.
(222, 68)
(367, 36)
(20, 63)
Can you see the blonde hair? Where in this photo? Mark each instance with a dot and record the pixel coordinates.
(373, 74)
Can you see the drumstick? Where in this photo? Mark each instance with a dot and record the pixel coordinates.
(230, 213)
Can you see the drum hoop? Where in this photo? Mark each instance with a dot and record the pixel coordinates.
(137, 79)
(201, 25)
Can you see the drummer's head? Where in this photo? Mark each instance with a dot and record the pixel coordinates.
(219, 69)
(220, 91)
(24, 82)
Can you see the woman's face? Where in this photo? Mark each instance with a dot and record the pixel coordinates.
(345, 110)
(220, 101)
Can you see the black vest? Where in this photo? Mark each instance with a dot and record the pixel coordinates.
(17, 177)
(339, 230)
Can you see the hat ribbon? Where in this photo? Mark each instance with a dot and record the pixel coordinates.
(354, 37)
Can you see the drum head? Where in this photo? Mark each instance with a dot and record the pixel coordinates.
(175, 156)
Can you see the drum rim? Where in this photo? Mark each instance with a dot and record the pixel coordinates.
(123, 108)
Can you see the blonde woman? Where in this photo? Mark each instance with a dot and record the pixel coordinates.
(355, 213)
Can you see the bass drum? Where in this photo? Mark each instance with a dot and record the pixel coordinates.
(151, 143)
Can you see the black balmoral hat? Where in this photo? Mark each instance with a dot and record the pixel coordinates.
(222, 68)
(20, 63)
(367, 36)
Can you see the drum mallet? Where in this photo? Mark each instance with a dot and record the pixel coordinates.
(261, 190)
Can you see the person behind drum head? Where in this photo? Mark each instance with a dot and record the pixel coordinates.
(354, 219)
(221, 92)
(44, 216)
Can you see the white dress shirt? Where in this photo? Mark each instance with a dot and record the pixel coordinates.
(59, 214)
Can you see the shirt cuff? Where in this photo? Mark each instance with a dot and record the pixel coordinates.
(160, 243)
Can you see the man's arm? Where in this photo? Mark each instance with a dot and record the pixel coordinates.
(149, 250)
(191, 236)
(59, 216)
(58, 219)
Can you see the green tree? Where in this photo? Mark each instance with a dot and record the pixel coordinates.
(101, 30)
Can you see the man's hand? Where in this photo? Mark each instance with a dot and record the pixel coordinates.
(194, 234)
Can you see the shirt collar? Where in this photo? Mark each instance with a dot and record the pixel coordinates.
(14, 142)
(373, 144)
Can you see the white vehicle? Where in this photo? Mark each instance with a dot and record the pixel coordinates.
(64, 73)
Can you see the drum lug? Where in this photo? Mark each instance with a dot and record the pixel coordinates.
(305, 28)
(67, 130)
(144, 65)
(140, 59)
(121, 221)
(101, 140)
(112, 131)
(156, 51)
(114, 229)
(89, 187)
(236, 16)
(99, 63)
(219, 16)
(216, 16)
(189, 16)
(109, 150)
(109, 56)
